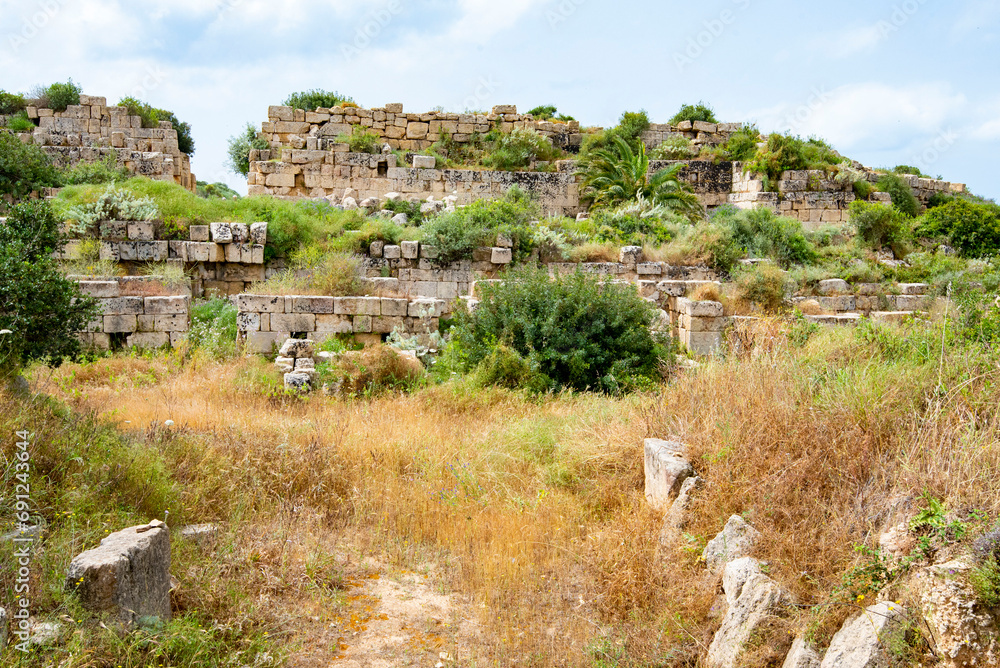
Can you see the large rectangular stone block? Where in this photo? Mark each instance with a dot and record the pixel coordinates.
(357, 306)
(248, 322)
(199, 233)
(103, 289)
(140, 231)
(385, 324)
(666, 469)
(148, 340)
(293, 322)
(312, 305)
(171, 323)
(167, 305)
(264, 343)
(261, 303)
(334, 324)
(151, 251)
(117, 324)
(395, 307)
(122, 306)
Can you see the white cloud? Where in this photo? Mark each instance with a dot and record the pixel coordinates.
(974, 17)
(855, 41)
(482, 19)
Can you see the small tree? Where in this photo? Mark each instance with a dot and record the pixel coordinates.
(38, 306)
(694, 112)
(239, 149)
(24, 167)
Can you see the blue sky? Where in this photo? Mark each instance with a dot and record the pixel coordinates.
(913, 81)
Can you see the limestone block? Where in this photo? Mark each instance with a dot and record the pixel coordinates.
(910, 302)
(293, 322)
(700, 309)
(363, 324)
(913, 288)
(257, 254)
(895, 317)
(234, 253)
(258, 233)
(334, 324)
(222, 233)
(177, 250)
(261, 303)
(410, 250)
(126, 251)
(305, 364)
(417, 130)
(676, 518)
(761, 600)
(429, 252)
(394, 108)
(145, 323)
(122, 306)
(199, 233)
(735, 541)
(127, 575)
(839, 303)
(148, 340)
(699, 325)
(102, 289)
(357, 305)
(862, 641)
(296, 348)
(312, 305)
(151, 251)
(297, 381)
(666, 468)
(241, 232)
(801, 655)
(140, 231)
(736, 574)
(630, 255)
(392, 252)
(248, 322)
(394, 307)
(166, 305)
(171, 323)
(649, 268)
(116, 230)
(426, 308)
(386, 324)
(424, 161)
(264, 343)
(834, 286)
(501, 256)
(841, 319)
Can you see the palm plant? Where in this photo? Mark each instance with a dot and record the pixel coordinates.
(620, 174)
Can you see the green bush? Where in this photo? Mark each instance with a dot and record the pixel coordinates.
(742, 144)
(213, 328)
(311, 100)
(630, 126)
(880, 226)
(103, 171)
(543, 112)
(787, 152)
(518, 149)
(112, 204)
(40, 308)
(20, 122)
(909, 169)
(573, 331)
(215, 190)
(24, 167)
(637, 223)
(239, 149)
(59, 96)
(902, 195)
(11, 103)
(151, 117)
(973, 228)
(361, 140)
(762, 233)
(694, 112)
(457, 234)
(674, 148)
(764, 287)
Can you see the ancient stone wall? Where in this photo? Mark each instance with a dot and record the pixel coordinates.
(91, 130)
(134, 320)
(699, 133)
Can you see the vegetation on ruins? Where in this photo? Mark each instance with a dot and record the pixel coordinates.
(694, 112)
(310, 100)
(11, 103)
(239, 148)
(570, 331)
(40, 310)
(630, 126)
(879, 226)
(361, 140)
(548, 112)
(151, 118)
(787, 152)
(102, 171)
(517, 150)
(901, 194)
(24, 168)
(457, 234)
(971, 227)
(57, 96)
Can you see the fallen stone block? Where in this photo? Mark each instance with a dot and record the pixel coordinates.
(760, 601)
(801, 655)
(200, 534)
(736, 574)
(834, 286)
(297, 382)
(736, 540)
(862, 642)
(222, 233)
(666, 469)
(127, 575)
(297, 348)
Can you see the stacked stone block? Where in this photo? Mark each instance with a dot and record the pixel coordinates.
(91, 130)
(145, 322)
(295, 360)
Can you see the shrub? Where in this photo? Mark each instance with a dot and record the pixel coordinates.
(504, 367)
(909, 169)
(787, 152)
(674, 148)
(42, 310)
(902, 195)
(764, 287)
(694, 112)
(361, 140)
(575, 330)
(11, 103)
(637, 223)
(880, 226)
(311, 100)
(458, 233)
(761, 233)
(213, 328)
(742, 144)
(239, 149)
(59, 96)
(215, 190)
(973, 228)
(370, 372)
(518, 150)
(20, 122)
(24, 167)
(102, 171)
(112, 204)
(543, 112)
(630, 126)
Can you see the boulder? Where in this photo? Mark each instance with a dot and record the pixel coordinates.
(370, 204)
(761, 600)
(735, 541)
(861, 642)
(297, 381)
(801, 655)
(296, 348)
(349, 203)
(400, 219)
(736, 574)
(666, 469)
(676, 517)
(127, 575)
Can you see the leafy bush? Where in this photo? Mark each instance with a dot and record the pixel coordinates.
(979, 312)
(102, 171)
(11, 103)
(112, 204)
(762, 233)
(24, 167)
(370, 372)
(543, 112)
(787, 152)
(518, 149)
(361, 140)
(762, 286)
(59, 96)
(674, 148)
(20, 122)
(880, 226)
(457, 234)
(902, 195)
(504, 367)
(315, 272)
(213, 328)
(574, 331)
(630, 126)
(239, 149)
(694, 112)
(637, 223)
(973, 228)
(151, 118)
(311, 100)
(909, 169)
(40, 308)
(742, 144)
(215, 190)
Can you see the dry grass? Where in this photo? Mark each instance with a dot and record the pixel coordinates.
(594, 252)
(706, 292)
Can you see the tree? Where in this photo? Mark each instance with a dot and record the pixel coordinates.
(239, 149)
(24, 167)
(620, 173)
(694, 112)
(41, 309)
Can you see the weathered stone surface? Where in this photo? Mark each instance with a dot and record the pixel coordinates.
(296, 348)
(410, 249)
(261, 303)
(200, 233)
(676, 518)
(834, 286)
(258, 233)
(630, 255)
(861, 641)
(44, 633)
(760, 600)
(501, 256)
(424, 162)
(392, 252)
(222, 233)
(736, 574)
(801, 655)
(666, 468)
(166, 305)
(127, 575)
(200, 534)
(4, 625)
(297, 382)
(735, 541)
(102, 289)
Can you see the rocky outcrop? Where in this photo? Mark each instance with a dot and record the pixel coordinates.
(736, 575)
(864, 641)
(801, 655)
(127, 575)
(760, 601)
(735, 541)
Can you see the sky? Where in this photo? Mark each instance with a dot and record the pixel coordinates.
(910, 82)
